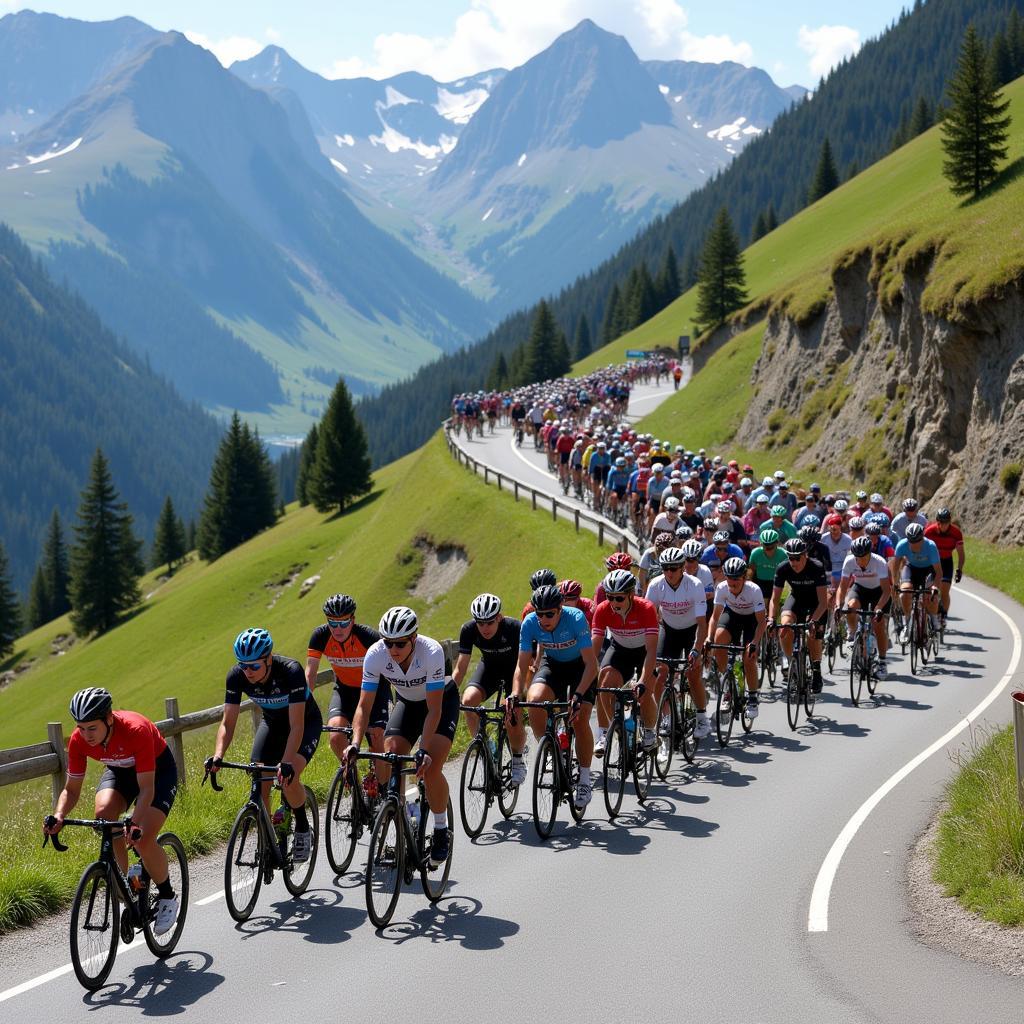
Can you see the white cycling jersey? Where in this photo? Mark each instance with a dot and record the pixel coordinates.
(681, 606)
(837, 549)
(870, 577)
(749, 601)
(704, 575)
(424, 674)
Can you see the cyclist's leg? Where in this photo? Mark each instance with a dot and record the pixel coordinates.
(294, 792)
(787, 618)
(542, 688)
(473, 696)
(438, 746)
(112, 804)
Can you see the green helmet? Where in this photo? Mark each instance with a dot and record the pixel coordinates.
(778, 510)
(770, 537)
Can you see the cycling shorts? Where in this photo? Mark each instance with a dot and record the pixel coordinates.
(563, 458)
(676, 643)
(867, 596)
(767, 586)
(947, 569)
(269, 743)
(620, 491)
(600, 472)
(408, 717)
(741, 628)
(919, 577)
(655, 503)
(627, 661)
(491, 680)
(803, 610)
(562, 678)
(126, 782)
(345, 699)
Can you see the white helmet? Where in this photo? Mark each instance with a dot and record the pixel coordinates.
(485, 606)
(397, 623)
(619, 581)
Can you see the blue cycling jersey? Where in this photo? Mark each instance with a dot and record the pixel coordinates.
(566, 642)
(599, 459)
(617, 478)
(927, 556)
(712, 558)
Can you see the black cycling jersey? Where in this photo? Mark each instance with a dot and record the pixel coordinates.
(820, 553)
(501, 651)
(285, 685)
(803, 585)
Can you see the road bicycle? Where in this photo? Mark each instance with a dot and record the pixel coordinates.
(519, 434)
(835, 637)
(923, 641)
(486, 770)
(799, 689)
(768, 661)
(677, 717)
(730, 689)
(624, 754)
(556, 770)
(259, 845)
(400, 843)
(350, 811)
(862, 655)
(109, 905)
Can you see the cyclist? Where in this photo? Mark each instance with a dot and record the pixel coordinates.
(572, 597)
(668, 520)
(426, 709)
(632, 625)
(681, 604)
(810, 534)
(756, 516)
(576, 467)
(948, 539)
(868, 574)
(139, 768)
(656, 487)
(650, 561)
(739, 617)
(785, 498)
(729, 522)
(617, 483)
(496, 636)
(807, 602)
(616, 560)
(600, 464)
(567, 671)
(345, 643)
(780, 523)
(539, 578)
(764, 561)
(289, 732)
(910, 514)
(917, 566)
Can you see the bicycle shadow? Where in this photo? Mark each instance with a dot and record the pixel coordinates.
(453, 919)
(825, 725)
(318, 916)
(573, 836)
(657, 814)
(163, 988)
(885, 699)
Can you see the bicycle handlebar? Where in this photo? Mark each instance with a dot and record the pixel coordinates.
(738, 648)
(345, 730)
(560, 705)
(99, 824)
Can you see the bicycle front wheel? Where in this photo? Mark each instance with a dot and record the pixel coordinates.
(643, 769)
(688, 728)
(545, 787)
(243, 864)
(614, 768)
(832, 647)
(177, 865)
(667, 726)
(808, 685)
(435, 880)
(297, 876)
(474, 795)
(385, 865)
(571, 774)
(508, 795)
(856, 675)
(95, 926)
(793, 682)
(724, 710)
(340, 822)
(914, 642)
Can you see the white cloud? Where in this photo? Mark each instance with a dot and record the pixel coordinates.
(827, 46)
(507, 33)
(229, 49)
(272, 34)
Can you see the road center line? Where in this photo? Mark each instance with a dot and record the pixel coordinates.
(817, 917)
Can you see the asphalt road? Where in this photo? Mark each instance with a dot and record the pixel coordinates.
(698, 905)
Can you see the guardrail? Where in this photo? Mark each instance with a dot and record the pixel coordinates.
(578, 516)
(37, 760)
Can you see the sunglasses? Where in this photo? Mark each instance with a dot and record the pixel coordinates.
(547, 615)
(250, 666)
(794, 558)
(487, 622)
(393, 645)
(617, 598)
(339, 623)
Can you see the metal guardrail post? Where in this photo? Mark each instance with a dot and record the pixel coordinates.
(1018, 741)
(55, 735)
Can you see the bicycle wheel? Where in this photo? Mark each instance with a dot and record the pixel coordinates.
(340, 822)
(177, 864)
(793, 681)
(740, 700)
(666, 734)
(297, 876)
(243, 864)
(474, 794)
(808, 686)
(508, 795)
(614, 767)
(571, 774)
(545, 787)
(643, 768)
(914, 641)
(385, 864)
(856, 677)
(724, 709)
(435, 880)
(688, 728)
(832, 644)
(870, 679)
(95, 926)
(924, 631)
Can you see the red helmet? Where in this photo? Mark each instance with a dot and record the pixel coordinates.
(571, 588)
(619, 560)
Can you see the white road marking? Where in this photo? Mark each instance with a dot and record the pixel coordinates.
(817, 917)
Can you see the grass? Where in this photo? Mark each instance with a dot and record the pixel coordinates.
(979, 851)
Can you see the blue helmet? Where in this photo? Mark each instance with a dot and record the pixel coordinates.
(252, 644)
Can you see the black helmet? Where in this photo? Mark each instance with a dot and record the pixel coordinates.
(339, 606)
(795, 547)
(915, 532)
(543, 578)
(909, 504)
(734, 568)
(546, 598)
(90, 704)
(861, 546)
(810, 534)
(944, 515)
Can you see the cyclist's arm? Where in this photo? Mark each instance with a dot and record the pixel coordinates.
(716, 614)
(434, 700)
(312, 667)
(68, 797)
(143, 802)
(844, 586)
(226, 732)
(822, 610)
(883, 601)
(589, 670)
(762, 621)
(702, 632)
(961, 556)
(362, 716)
(936, 574)
(461, 668)
(774, 608)
(650, 660)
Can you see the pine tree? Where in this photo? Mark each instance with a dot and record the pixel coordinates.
(497, 376)
(1000, 57)
(341, 472)
(582, 345)
(760, 228)
(190, 535)
(772, 218)
(826, 176)
(106, 559)
(10, 610)
(38, 600)
(561, 358)
(169, 541)
(55, 568)
(547, 352)
(1015, 39)
(306, 460)
(922, 119)
(975, 128)
(612, 316)
(641, 302)
(722, 286)
(667, 287)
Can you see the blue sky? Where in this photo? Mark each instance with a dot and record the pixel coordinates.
(795, 41)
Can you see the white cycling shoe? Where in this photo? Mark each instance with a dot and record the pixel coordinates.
(702, 729)
(517, 775)
(584, 794)
(166, 915)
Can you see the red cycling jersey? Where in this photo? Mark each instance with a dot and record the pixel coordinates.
(641, 622)
(946, 542)
(135, 742)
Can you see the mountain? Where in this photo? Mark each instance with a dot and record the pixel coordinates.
(175, 169)
(69, 385)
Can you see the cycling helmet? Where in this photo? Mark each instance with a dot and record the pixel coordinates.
(795, 546)
(688, 495)
(571, 588)
(485, 606)
(546, 598)
(724, 506)
(620, 462)
(721, 537)
(735, 568)
(672, 504)
(339, 606)
(619, 581)
(761, 499)
(861, 546)
(397, 623)
(692, 549)
(671, 558)
(909, 504)
(91, 704)
(876, 499)
(710, 524)
(857, 523)
(873, 529)
(683, 532)
(811, 520)
(915, 532)
(543, 578)
(944, 515)
(809, 534)
(778, 511)
(833, 520)
(862, 495)
(253, 644)
(770, 537)
(842, 505)
(663, 540)
(619, 560)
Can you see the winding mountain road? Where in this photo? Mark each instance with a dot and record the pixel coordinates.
(764, 883)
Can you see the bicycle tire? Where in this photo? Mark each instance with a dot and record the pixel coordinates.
(435, 880)
(571, 767)
(298, 876)
(508, 795)
(246, 841)
(741, 698)
(341, 826)
(474, 789)
(810, 697)
(689, 742)
(546, 793)
(614, 768)
(385, 865)
(643, 767)
(793, 693)
(163, 945)
(857, 655)
(870, 679)
(95, 894)
(724, 710)
(926, 639)
(667, 726)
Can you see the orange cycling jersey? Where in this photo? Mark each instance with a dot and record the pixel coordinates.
(346, 658)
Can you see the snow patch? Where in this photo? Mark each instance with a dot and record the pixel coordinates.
(275, 68)
(521, 161)
(676, 99)
(54, 154)
(45, 170)
(344, 140)
(459, 107)
(487, 214)
(663, 89)
(733, 132)
(369, 169)
(394, 141)
(341, 167)
(393, 98)
(751, 130)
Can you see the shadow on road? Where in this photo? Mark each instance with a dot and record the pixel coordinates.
(453, 919)
(163, 988)
(318, 916)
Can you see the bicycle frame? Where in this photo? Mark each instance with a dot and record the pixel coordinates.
(558, 711)
(259, 774)
(623, 695)
(394, 796)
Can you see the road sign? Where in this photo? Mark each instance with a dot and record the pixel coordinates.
(684, 344)
(636, 353)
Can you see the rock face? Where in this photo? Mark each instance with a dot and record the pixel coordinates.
(894, 396)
